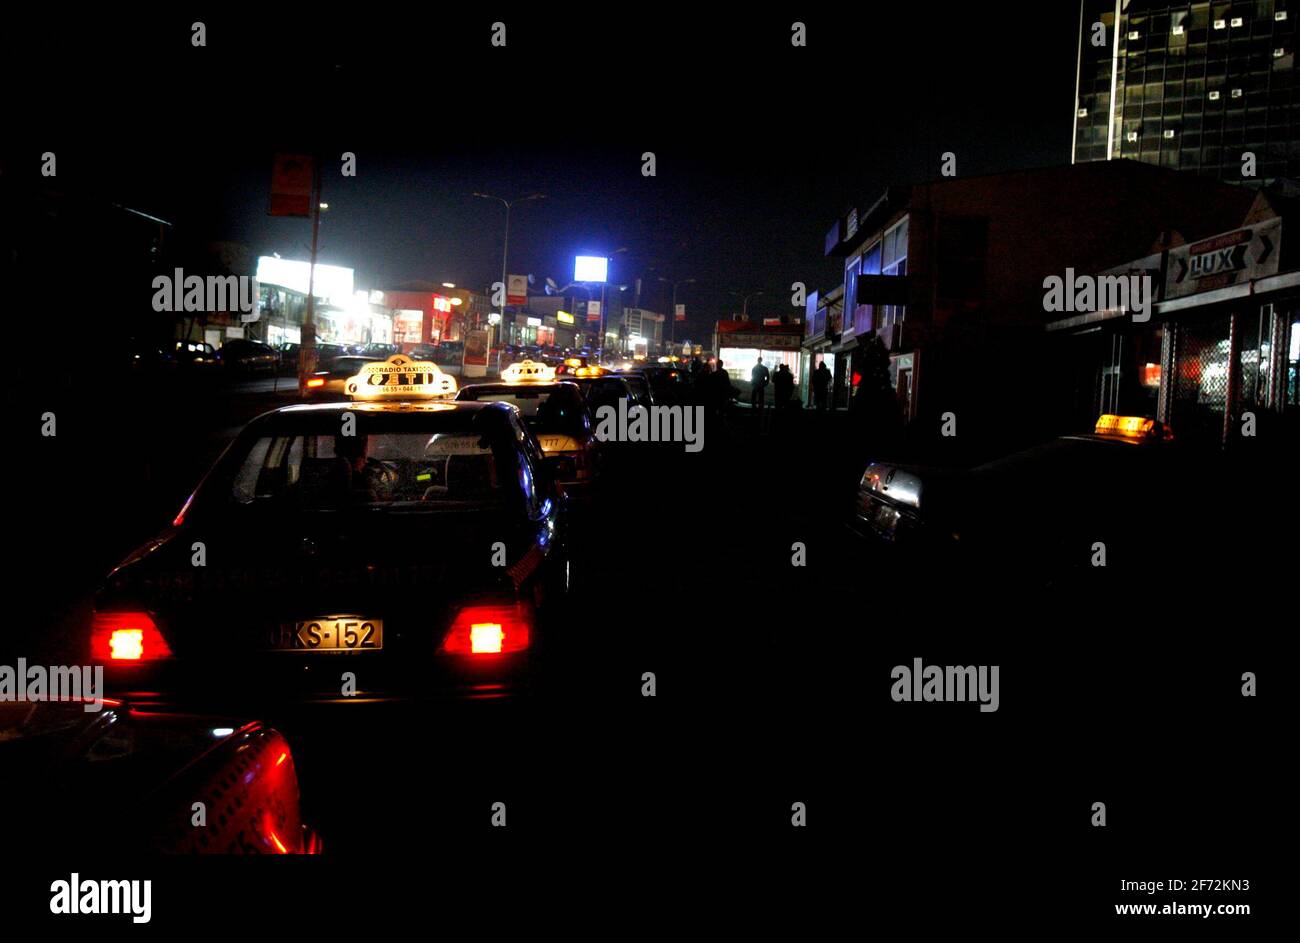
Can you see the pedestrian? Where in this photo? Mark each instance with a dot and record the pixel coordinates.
(821, 384)
(758, 378)
(783, 387)
(720, 389)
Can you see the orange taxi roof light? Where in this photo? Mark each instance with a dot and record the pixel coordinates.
(528, 371)
(400, 377)
(1132, 427)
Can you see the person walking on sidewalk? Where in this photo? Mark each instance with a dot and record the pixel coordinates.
(821, 384)
(758, 378)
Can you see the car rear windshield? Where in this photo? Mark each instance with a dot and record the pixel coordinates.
(545, 410)
(425, 469)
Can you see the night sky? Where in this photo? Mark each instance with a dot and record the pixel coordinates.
(759, 145)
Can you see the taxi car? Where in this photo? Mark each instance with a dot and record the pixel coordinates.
(1039, 515)
(556, 413)
(399, 546)
(642, 392)
(602, 387)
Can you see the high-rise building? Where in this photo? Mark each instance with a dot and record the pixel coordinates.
(1205, 87)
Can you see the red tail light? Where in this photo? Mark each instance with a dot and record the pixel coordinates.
(125, 637)
(489, 630)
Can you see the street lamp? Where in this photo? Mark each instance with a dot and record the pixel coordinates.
(505, 244)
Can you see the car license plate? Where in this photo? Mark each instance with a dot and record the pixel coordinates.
(330, 635)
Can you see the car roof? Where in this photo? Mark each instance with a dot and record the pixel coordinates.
(510, 387)
(463, 410)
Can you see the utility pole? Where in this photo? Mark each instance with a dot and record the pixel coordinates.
(673, 313)
(307, 348)
(505, 245)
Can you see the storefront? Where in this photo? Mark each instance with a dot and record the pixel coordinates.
(740, 345)
(823, 322)
(1222, 339)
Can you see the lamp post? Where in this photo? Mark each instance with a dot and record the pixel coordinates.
(505, 243)
(307, 337)
(601, 356)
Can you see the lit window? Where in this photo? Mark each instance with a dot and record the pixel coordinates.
(1279, 52)
(1131, 137)
(1220, 24)
(1280, 15)
(1236, 21)
(1214, 96)
(1178, 30)
(1169, 133)
(1134, 34)
(1083, 112)
(1237, 93)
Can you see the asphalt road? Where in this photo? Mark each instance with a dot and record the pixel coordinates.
(772, 679)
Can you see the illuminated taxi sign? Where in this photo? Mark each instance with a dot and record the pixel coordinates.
(400, 377)
(1132, 427)
(528, 371)
(592, 371)
(558, 443)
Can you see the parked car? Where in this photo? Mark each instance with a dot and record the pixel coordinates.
(449, 352)
(1042, 518)
(249, 357)
(195, 354)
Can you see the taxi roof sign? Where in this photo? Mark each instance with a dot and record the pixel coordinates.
(400, 377)
(528, 371)
(1132, 427)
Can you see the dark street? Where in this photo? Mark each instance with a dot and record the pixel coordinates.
(724, 469)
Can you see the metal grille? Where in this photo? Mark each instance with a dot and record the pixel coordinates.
(1200, 387)
(1253, 359)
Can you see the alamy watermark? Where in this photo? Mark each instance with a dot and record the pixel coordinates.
(76, 896)
(57, 683)
(210, 294)
(651, 424)
(1091, 293)
(946, 683)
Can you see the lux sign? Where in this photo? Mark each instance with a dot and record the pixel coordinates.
(1228, 259)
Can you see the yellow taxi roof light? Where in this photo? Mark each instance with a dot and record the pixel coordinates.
(1132, 427)
(590, 372)
(528, 371)
(400, 377)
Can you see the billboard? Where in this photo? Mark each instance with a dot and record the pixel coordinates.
(291, 185)
(593, 310)
(331, 283)
(475, 358)
(590, 268)
(517, 290)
